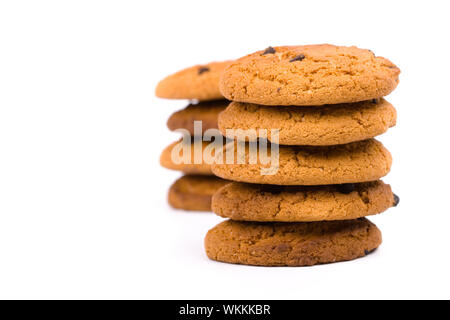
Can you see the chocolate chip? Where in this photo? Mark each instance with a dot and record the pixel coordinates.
(396, 200)
(346, 188)
(278, 89)
(268, 51)
(366, 252)
(300, 57)
(202, 69)
(374, 100)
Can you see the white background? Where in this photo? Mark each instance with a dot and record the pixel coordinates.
(83, 211)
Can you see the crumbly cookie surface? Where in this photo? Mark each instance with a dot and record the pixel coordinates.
(309, 75)
(206, 112)
(194, 192)
(361, 161)
(200, 82)
(319, 126)
(253, 202)
(291, 244)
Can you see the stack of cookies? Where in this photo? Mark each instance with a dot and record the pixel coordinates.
(200, 85)
(325, 103)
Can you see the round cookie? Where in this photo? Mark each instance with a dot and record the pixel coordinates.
(361, 161)
(200, 82)
(320, 126)
(194, 192)
(291, 244)
(254, 202)
(203, 167)
(206, 112)
(308, 75)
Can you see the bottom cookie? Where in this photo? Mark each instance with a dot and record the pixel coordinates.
(291, 244)
(194, 192)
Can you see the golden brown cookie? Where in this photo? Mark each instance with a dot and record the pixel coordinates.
(194, 192)
(361, 161)
(319, 126)
(291, 244)
(206, 112)
(189, 166)
(254, 202)
(308, 75)
(200, 82)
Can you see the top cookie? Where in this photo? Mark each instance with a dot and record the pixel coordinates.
(200, 82)
(309, 75)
